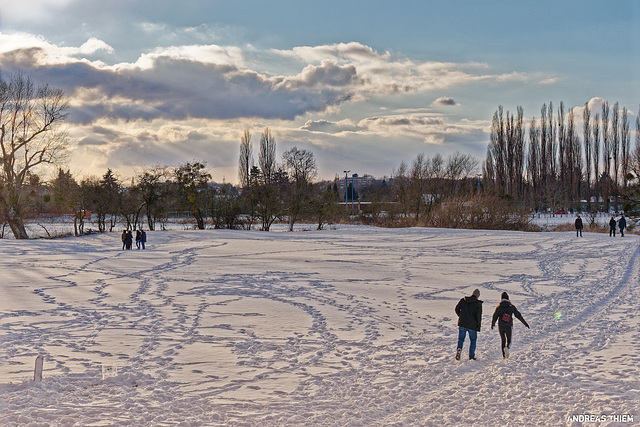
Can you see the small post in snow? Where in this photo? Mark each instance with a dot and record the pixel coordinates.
(37, 372)
(109, 371)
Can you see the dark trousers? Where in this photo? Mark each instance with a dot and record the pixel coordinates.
(505, 336)
(612, 231)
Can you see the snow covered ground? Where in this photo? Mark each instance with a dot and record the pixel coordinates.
(351, 326)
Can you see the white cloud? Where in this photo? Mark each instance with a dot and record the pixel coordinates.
(93, 45)
(30, 52)
(384, 74)
(17, 12)
(326, 126)
(211, 81)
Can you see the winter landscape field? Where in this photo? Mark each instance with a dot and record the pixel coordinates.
(348, 326)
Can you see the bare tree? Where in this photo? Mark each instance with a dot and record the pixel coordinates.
(548, 161)
(498, 152)
(615, 143)
(625, 145)
(30, 136)
(514, 133)
(267, 156)
(460, 167)
(533, 162)
(596, 155)
(606, 141)
(636, 157)
(489, 171)
(586, 129)
(192, 181)
(245, 161)
(562, 149)
(301, 167)
(418, 176)
(574, 158)
(153, 188)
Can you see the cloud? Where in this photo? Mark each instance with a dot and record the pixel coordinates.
(429, 127)
(177, 87)
(210, 81)
(445, 101)
(325, 126)
(36, 51)
(384, 74)
(94, 45)
(31, 10)
(145, 144)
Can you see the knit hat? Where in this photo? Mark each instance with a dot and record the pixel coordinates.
(476, 293)
(504, 295)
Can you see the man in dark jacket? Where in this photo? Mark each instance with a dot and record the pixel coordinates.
(505, 311)
(612, 227)
(579, 226)
(143, 238)
(469, 311)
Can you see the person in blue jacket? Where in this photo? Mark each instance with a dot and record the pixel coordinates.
(622, 224)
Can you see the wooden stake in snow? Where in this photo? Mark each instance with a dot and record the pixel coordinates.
(37, 372)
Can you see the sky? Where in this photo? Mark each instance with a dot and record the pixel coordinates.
(364, 85)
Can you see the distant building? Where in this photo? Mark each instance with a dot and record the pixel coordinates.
(359, 182)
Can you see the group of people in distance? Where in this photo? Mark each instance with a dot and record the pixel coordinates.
(469, 311)
(621, 223)
(127, 239)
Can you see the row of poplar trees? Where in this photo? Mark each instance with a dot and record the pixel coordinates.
(554, 164)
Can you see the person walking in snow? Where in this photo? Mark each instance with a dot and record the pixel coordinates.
(128, 240)
(612, 227)
(143, 238)
(622, 223)
(124, 239)
(138, 238)
(578, 226)
(469, 311)
(505, 311)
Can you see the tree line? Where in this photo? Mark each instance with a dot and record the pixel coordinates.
(545, 168)
(555, 164)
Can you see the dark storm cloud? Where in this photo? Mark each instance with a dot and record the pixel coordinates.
(177, 88)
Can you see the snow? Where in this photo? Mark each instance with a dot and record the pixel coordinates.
(349, 326)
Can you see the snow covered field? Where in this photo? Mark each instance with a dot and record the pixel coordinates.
(352, 326)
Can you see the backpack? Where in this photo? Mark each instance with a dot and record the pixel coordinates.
(506, 317)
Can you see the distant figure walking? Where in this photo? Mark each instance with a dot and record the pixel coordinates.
(128, 240)
(143, 238)
(138, 238)
(622, 223)
(504, 315)
(612, 227)
(578, 226)
(469, 311)
(124, 239)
